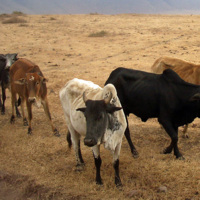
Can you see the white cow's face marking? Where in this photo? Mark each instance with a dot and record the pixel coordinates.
(32, 78)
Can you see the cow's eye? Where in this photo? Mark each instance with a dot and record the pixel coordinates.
(37, 83)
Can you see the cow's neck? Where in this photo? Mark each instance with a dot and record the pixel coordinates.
(113, 123)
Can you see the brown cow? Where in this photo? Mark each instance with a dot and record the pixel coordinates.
(189, 72)
(29, 83)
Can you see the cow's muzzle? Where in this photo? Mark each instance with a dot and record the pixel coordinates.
(31, 99)
(89, 142)
(7, 67)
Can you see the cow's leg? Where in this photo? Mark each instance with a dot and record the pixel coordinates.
(46, 109)
(68, 138)
(25, 122)
(74, 137)
(16, 109)
(4, 99)
(128, 137)
(97, 160)
(13, 99)
(76, 144)
(0, 101)
(173, 133)
(118, 182)
(29, 109)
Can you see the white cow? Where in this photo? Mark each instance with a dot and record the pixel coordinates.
(91, 111)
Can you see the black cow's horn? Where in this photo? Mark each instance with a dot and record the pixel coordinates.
(84, 97)
(108, 98)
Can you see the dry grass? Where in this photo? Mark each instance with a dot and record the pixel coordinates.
(4, 15)
(42, 166)
(13, 20)
(52, 18)
(98, 34)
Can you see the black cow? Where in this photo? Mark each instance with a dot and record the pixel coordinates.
(5, 62)
(164, 96)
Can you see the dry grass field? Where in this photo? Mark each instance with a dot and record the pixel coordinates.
(89, 47)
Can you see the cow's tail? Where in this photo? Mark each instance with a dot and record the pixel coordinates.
(19, 101)
(68, 138)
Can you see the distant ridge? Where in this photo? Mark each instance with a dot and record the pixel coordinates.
(101, 6)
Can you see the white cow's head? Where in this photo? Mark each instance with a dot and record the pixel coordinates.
(96, 114)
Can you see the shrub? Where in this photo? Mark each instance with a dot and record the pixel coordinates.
(94, 13)
(98, 34)
(14, 20)
(19, 13)
(52, 18)
(4, 15)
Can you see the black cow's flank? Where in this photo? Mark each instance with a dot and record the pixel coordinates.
(165, 97)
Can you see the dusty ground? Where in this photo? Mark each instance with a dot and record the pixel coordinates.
(41, 166)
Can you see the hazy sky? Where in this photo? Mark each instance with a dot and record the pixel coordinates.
(100, 6)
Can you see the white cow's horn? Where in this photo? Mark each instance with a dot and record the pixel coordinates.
(84, 97)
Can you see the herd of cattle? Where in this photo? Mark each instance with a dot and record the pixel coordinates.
(171, 94)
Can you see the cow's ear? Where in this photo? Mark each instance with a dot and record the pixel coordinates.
(16, 54)
(81, 109)
(112, 109)
(195, 97)
(20, 81)
(44, 80)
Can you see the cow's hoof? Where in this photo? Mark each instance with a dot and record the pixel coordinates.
(25, 122)
(118, 183)
(56, 133)
(180, 158)
(119, 186)
(99, 183)
(12, 120)
(166, 150)
(80, 167)
(19, 115)
(135, 154)
(30, 131)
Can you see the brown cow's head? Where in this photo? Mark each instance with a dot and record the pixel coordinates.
(33, 83)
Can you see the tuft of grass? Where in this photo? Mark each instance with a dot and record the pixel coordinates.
(23, 25)
(14, 20)
(98, 34)
(52, 18)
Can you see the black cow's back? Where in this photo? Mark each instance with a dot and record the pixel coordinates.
(148, 95)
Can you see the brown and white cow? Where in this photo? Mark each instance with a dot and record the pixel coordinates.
(29, 83)
(95, 113)
(189, 72)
